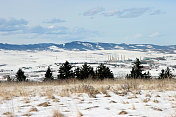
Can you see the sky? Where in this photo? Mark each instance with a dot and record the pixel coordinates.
(111, 21)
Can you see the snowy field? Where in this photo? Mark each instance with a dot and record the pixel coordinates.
(121, 98)
(35, 63)
(138, 98)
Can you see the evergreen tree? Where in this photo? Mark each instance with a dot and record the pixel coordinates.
(168, 73)
(48, 75)
(77, 72)
(20, 75)
(136, 71)
(103, 72)
(147, 75)
(86, 71)
(162, 74)
(165, 73)
(65, 71)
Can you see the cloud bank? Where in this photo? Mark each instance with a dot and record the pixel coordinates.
(123, 13)
(20, 26)
(12, 24)
(94, 11)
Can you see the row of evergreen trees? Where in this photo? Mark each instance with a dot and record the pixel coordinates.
(101, 72)
(81, 73)
(136, 72)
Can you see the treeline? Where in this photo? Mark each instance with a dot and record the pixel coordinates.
(137, 72)
(81, 73)
(101, 72)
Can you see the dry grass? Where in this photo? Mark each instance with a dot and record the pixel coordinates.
(44, 104)
(147, 95)
(123, 113)
(157, 109)
(92, 88)
(157, 96)
(51, 91)
(33, 109)
(57, 114)
(88, 108)
(79, 114)
(133, 107)
(28, 115)
(8, 114)
(146, 100)
(112, 101)
(156, 101)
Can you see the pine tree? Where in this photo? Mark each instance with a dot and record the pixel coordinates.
(136, 71)
(86, 71)
(77, 72)
(48, 75)
(162, 74)
(103, 72)
(165, 73)
(168, 73)
(147, 75)
(65, 71)
(20, 75)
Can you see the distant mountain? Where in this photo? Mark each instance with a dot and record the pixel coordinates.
(84, 46)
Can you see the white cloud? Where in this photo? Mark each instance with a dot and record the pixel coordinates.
(156, 34)
(123, 13)
(51, 26)
(157, 12)
(111, 13)
(132, 13)
(93, 11)
(11, 25)
(20, 27)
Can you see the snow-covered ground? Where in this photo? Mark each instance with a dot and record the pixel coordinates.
(88, 100)
(35, 63)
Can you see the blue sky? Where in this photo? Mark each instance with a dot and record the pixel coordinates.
(59, 21)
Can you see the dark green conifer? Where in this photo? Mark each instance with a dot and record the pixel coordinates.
(77, 72)
(65, 71)
(103, 72)
(20, 75)
(48, 75)
(165, 74)
(86, 71)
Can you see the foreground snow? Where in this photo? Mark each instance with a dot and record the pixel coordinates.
(87, 100)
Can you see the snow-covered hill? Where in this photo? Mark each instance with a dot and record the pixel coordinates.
(84, 46)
